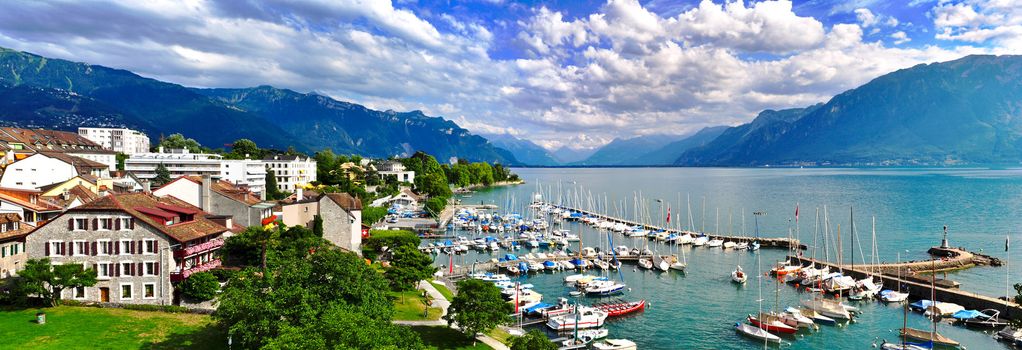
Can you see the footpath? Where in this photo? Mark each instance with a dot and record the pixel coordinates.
(442, 303)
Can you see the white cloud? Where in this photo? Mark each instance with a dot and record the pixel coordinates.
(900, 38)
(997, 22)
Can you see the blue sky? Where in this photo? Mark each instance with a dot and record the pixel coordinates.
(560, 73)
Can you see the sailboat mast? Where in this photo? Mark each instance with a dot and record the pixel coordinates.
(851, 213)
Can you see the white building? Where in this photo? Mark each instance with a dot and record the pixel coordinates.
(179, 162)
(246, 172)
(121, 140)
(27, 141)
(291, 171)
(43, 169)
(397, 169)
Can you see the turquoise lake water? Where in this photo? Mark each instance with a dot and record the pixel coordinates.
(698, 309)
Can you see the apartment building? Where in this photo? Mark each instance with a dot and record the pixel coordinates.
(120, 140)
(250, 173)
(17, 143)
(291, 171)
(179, 162)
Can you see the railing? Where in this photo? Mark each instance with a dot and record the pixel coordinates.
(209, 265)
(195, 249)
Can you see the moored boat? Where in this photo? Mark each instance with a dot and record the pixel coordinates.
(757, 333)
(620, 308)
(739, 276)
(771, 323)
(615, 344)
(929, 336)
(586, 318)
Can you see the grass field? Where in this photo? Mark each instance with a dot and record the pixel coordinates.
(440, 287)
(444, 338)
(70, 327)
(408, 306)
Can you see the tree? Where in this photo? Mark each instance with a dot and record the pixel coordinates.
(408, 265)
(391, 239)
(327, 299)
(162, 175)
(434, 185)
(48, 281)
(478, 307)
(327, 168)
(272, 193)
(533, 340)
(371, 215)
(317, 225)
(178, 141)
(200, 286)
(121, 157)
(435, 205)
(243, 149)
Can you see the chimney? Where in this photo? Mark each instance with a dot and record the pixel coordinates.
(262, 194)
(159, 149)
(146, 188)
(298, 193)
(207, 183)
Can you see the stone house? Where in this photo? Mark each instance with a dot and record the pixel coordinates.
(219, 197)
(341, 214)
(12, 244)
(139, 245)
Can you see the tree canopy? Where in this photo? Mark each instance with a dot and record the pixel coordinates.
(48, 281)
(408, 266)
(179, 141)
(478, 307)
(533, 340)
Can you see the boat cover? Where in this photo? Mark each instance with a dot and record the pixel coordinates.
(967, 314)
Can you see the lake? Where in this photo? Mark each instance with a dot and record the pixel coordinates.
(698, 309)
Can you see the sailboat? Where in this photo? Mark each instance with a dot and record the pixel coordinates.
(904, 345)
(757, 332)
(894, 296)
(930, 336)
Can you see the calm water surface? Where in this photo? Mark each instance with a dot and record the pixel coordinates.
(698, 309)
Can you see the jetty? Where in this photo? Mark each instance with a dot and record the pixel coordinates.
(765, 242)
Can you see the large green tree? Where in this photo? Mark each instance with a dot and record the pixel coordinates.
(178, 141)
(478, 307)
(408, 265)
(201, 286)
(244, 149)
(48, 281)
(271, 187)
(162, 175)
(433, 185)
(533, 340)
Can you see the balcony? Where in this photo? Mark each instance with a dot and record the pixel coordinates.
(180, 276)
(196, 249)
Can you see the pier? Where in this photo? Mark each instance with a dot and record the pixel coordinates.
(778, 242)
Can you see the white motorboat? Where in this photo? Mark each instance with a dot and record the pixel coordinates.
(730, 245)
(700, 241)
(603, 265)
(757, 333)
(604, 287)
(586, 336)
(646, 263)
(587, 318)
(890, 296)
(615, 344)
(715, 243)
(742, 246)
(684, 239)
(739, 276)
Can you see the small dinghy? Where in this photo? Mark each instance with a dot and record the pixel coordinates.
(586, 336)
(646, 264)
(621, 307)
(615, 344)
(739, 276)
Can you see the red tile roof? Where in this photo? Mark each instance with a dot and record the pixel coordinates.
(23, 198)
(48, 140)
(229, 190)
(140, 204)
(345, 201)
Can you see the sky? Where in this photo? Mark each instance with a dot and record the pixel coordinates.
(559, 73)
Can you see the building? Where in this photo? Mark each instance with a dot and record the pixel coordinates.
(17, 141)
(405, 198)
(219, 197)
(179, 162)
(396, 169)
(120, 140)
(139, 245)
(12, 244)
(46, 168)
(250, 173)
(341, 214)
(30, 206)
(292, 172)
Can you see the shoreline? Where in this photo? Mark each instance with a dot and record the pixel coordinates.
(474, 187)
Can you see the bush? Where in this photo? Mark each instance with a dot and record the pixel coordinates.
(390, 238)
(200, 286)
(534, 340)
(435, 205)
(223, 275)
(161, 308)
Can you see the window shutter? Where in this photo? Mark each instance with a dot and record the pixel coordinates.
(95, 267)
(157, 268)
(95, 248)
(63, 248)
(85, 248)
(141, 269)
(117, 224)
(132, 222)
(117, 270)
(141, 248)
(95, 224)
(117, 247)
(70, 224)
(46, 246)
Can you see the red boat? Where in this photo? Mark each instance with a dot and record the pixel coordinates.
(620, 307)
(771, 323)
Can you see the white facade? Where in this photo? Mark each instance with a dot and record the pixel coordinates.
(179, 162)
(121, 140)
(248, 172)
(108, 158)
(291, 171)
(36, 171)
(397, 169)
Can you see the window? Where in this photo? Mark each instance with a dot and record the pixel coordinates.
(150, 246)
(104, 270)
(125, 223)
(55, 248)
(126, 247)
(79, 293)
(106, 224)
(150, 268)
(126, 269)
(80, 248)
(149, 291)
(126, 292)
(81, 224)
(103, 247)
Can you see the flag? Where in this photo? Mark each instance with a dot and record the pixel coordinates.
(1006, 244)
(668, 215)
(796, 212)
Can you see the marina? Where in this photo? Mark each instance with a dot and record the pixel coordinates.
(705, 300)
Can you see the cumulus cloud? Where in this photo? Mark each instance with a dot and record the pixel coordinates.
(620, 71)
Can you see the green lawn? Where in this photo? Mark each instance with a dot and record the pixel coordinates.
(499, 334)
(408, 306)
(440, 287)
(70, 327)
(444, 338)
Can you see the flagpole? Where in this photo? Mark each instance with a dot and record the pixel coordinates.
(1007, 273)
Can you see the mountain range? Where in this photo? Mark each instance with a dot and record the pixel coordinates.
(965, 111)
(60, 94)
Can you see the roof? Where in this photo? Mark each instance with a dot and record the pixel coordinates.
(23, 198)
(48, 140)
(345, 201)
(23, 228)
(79, 192)
(89, 178)
(229, 190)
(82, 165)
(140, 204)
(285, 157)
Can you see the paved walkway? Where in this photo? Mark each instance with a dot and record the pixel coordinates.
(442, 303)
